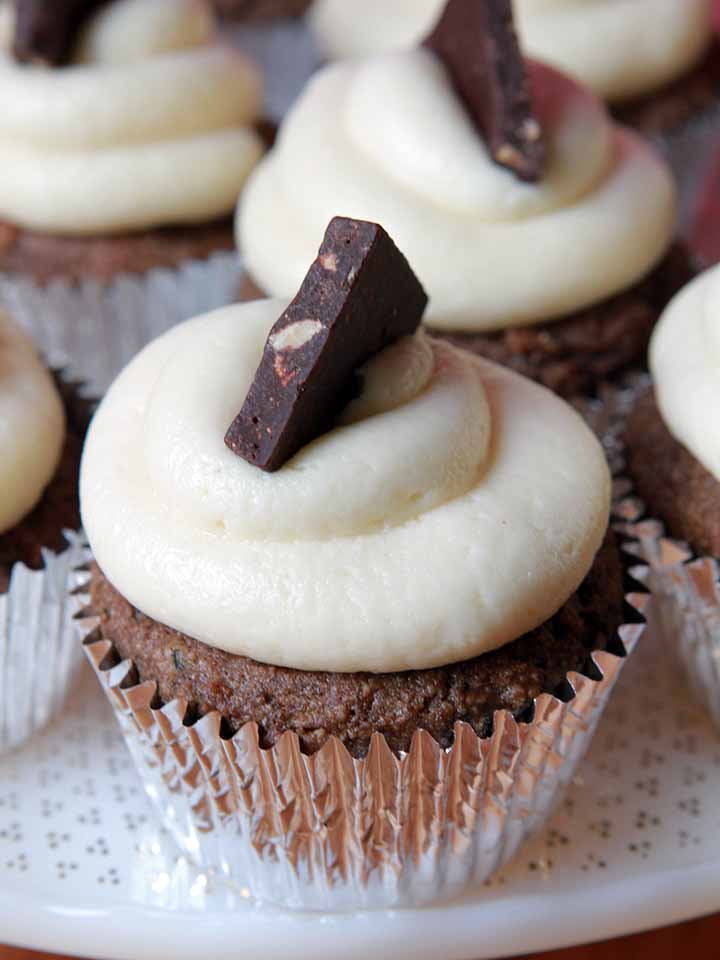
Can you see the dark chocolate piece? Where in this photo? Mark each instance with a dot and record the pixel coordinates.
(359, 296)
(477, 42)
(46, 30)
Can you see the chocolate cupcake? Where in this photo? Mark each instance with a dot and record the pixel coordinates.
(674, 459)
(40, 443)
(389, 581)
(127, 133)
(655, 59)
(557, 269)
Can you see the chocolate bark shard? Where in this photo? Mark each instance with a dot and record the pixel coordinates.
(359, 296)
(477, 42)
(46, 30)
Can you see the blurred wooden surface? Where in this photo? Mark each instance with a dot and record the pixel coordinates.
(697, 938)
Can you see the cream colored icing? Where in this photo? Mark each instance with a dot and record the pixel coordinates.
(618, 48)
(455, 506)
(387, 139)
(150, 127)
(685, 362)
(32, 425)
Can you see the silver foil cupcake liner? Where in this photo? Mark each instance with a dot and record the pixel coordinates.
(686, 597)
(91, 330)
(330, 832)
(39, 654)
(685, 588)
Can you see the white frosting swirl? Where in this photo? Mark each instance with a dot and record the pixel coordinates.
(456, 505)
(387, 139)
(685, 362)
(618, 48)
(32, 425)
(151, 127)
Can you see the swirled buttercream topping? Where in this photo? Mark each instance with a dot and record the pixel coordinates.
(455, 505)
(387, 139)
(617, 48)
(685, 362)
(150, 127)
(32, 425)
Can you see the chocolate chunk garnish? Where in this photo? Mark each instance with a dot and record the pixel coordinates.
(359, 296)
(46, 31)
(477, 42)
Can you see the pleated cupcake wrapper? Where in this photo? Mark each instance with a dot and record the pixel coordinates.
(92, 329)
(330, 832)
(685, 588)
(686, 597)
(39, 653)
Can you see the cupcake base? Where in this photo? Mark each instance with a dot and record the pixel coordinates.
(39, 656)
(352, 707)
(45, 257)
(327, 831)
(684, 581)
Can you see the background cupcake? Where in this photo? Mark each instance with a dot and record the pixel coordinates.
(674, 459)
(40, 442)
(561, 278)
(647, 53)
(355, 601)
(123, 150)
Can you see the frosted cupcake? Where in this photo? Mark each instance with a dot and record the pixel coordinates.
(561, 278)
(673, 443)
(377, 597)
(655, 57)
(125, 137)
(39, 462)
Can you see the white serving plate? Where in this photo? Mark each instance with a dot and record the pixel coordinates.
(636, 844)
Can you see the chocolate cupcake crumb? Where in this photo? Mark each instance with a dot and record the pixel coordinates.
(45, 257)
(675, 487)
